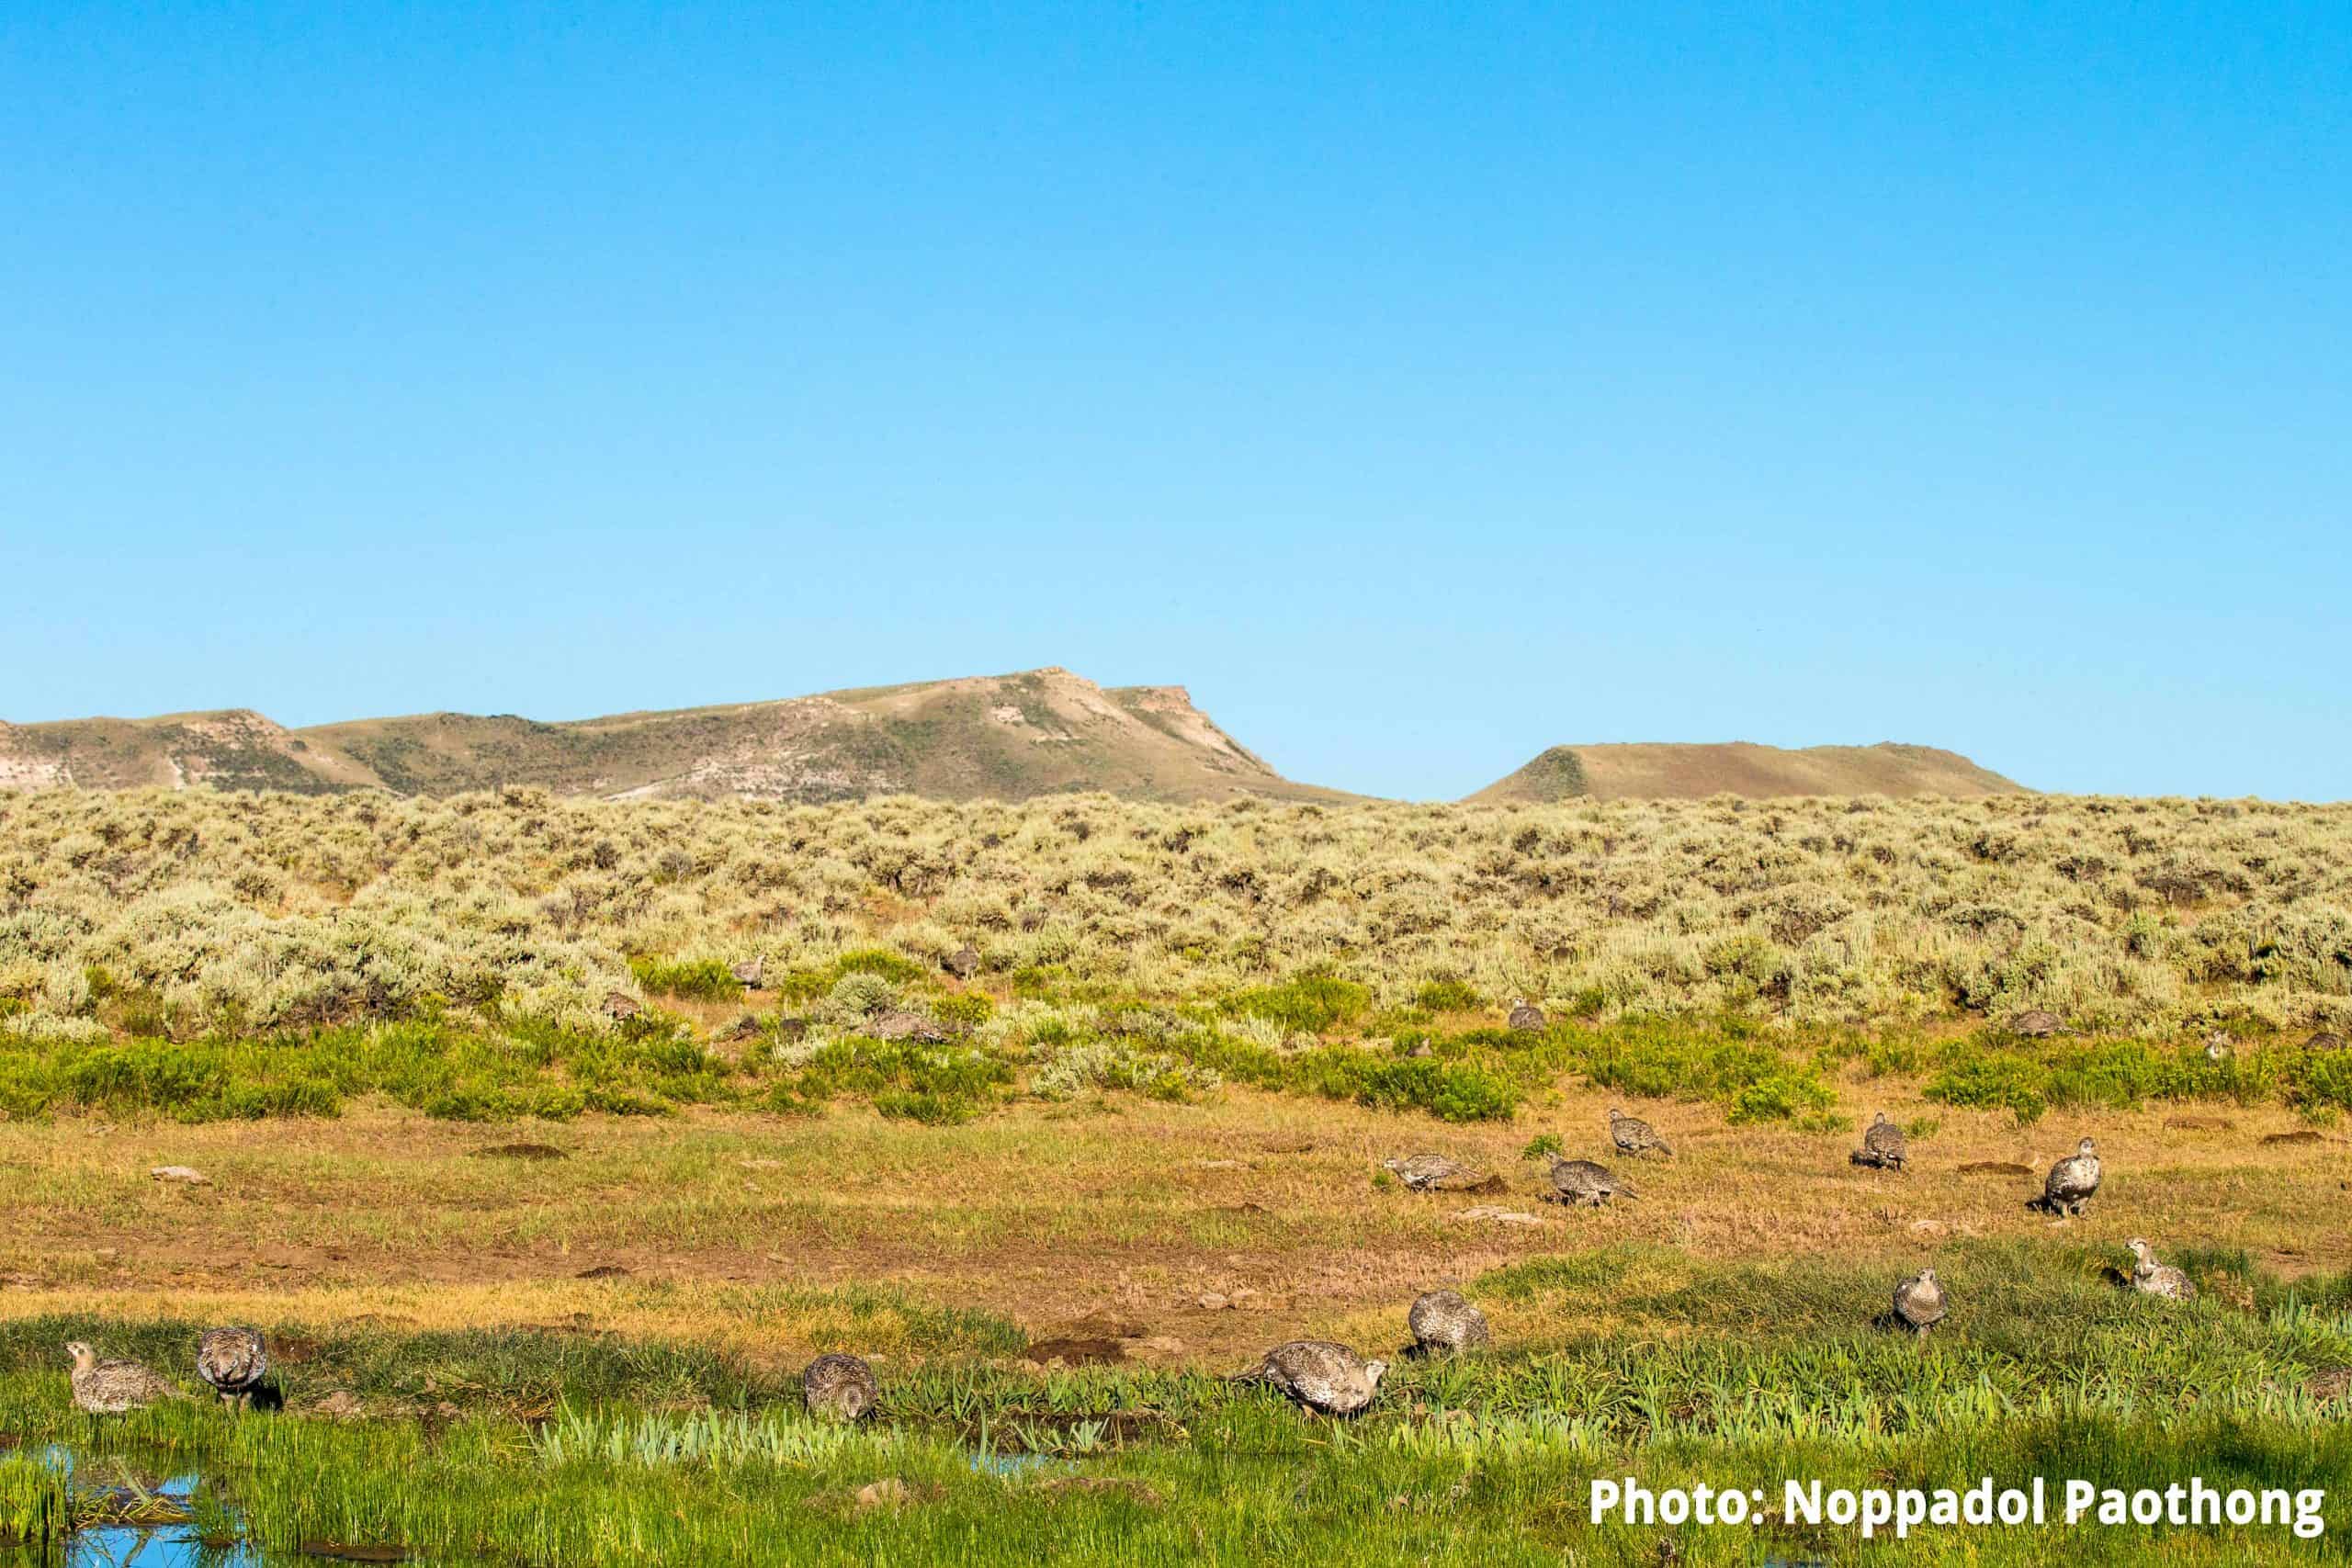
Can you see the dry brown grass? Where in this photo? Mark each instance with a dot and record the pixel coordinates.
(1054, 1217)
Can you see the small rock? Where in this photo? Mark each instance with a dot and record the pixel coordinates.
(187, 1176)
(885, 1494)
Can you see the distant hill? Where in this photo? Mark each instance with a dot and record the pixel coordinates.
(1006, 737)
(1664, 772)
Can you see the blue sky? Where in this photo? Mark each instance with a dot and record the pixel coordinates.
(1421, 386)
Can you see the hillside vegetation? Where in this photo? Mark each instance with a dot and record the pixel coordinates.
(1004, 737)
(195, 912)
(1667, 772)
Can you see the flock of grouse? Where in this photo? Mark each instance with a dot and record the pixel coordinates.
(1320, 1374)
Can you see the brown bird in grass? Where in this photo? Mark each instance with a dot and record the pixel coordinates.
(619, 1005)
(747, 973)
(2073, 1180)
(1434, 1173)
(1319, 1374)
(2151, 1277)
(112, 1387)
(1525, 1017)
(1582, 1181)
(234, 1361)
(838, 1387)
(1883, 1146)
(1442, 1322)
(964, 962)
(1635, 1136)
(2035, 1024)
(1919, 1302)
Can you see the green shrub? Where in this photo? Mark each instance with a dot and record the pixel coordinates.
(1311, 1004)
(700, 979)
(1446, 996)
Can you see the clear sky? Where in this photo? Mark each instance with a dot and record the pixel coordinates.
(1421, 386)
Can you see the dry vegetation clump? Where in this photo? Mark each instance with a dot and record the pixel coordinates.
(1125, 932)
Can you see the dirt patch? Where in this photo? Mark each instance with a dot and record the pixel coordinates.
(520, 1151)
(2200, 1123)
(603, 1271)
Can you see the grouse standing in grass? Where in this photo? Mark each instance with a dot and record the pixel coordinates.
(234, 1361)
(838, 1387)
(1444, 1323)
(2153, 1279)
(747, 973)
(2035, 1024)
(1635, 1136)
(1320, 1375)
(1883, 1146)
(1582, 1181)
(2073, 1180)
(112, 1387)
(1434, 1173)
(1919, 1302)
(1525, 1016)
(964, 962)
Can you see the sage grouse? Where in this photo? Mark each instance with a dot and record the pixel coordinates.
(1442, 1322)
(2325, 1041)
(747, 973)
(1525, 1016)
(964, 962)
(2035, 1024)
(1635, 1136)
(2073, 1181)
(1883, 1146)
(2153, 1279)
(234, 1361)
(1320, 1375)
(1435, 1173)
(1581, 1182)
(110, 1388)
(838, 1387)
(1919, 1302)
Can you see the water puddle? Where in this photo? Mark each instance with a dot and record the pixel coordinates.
(136, 1516)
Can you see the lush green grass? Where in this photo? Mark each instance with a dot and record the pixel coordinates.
(541, 1448)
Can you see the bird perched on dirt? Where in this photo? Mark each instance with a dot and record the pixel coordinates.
(747, 973)
(2035, 1024)
(110, 1388)
(964, 962)
(2073, 1180)
(2151, 1277)
(234, 1361)
(1444, 1323)
(900, 1023)
(1919, 1302)
(1635, 1136)
(1525, 1016)
(1582, 1181)
(838, 1387)
(1435, 1173)
(1883, 1146)
(619, 1005)
(1320, 1375)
